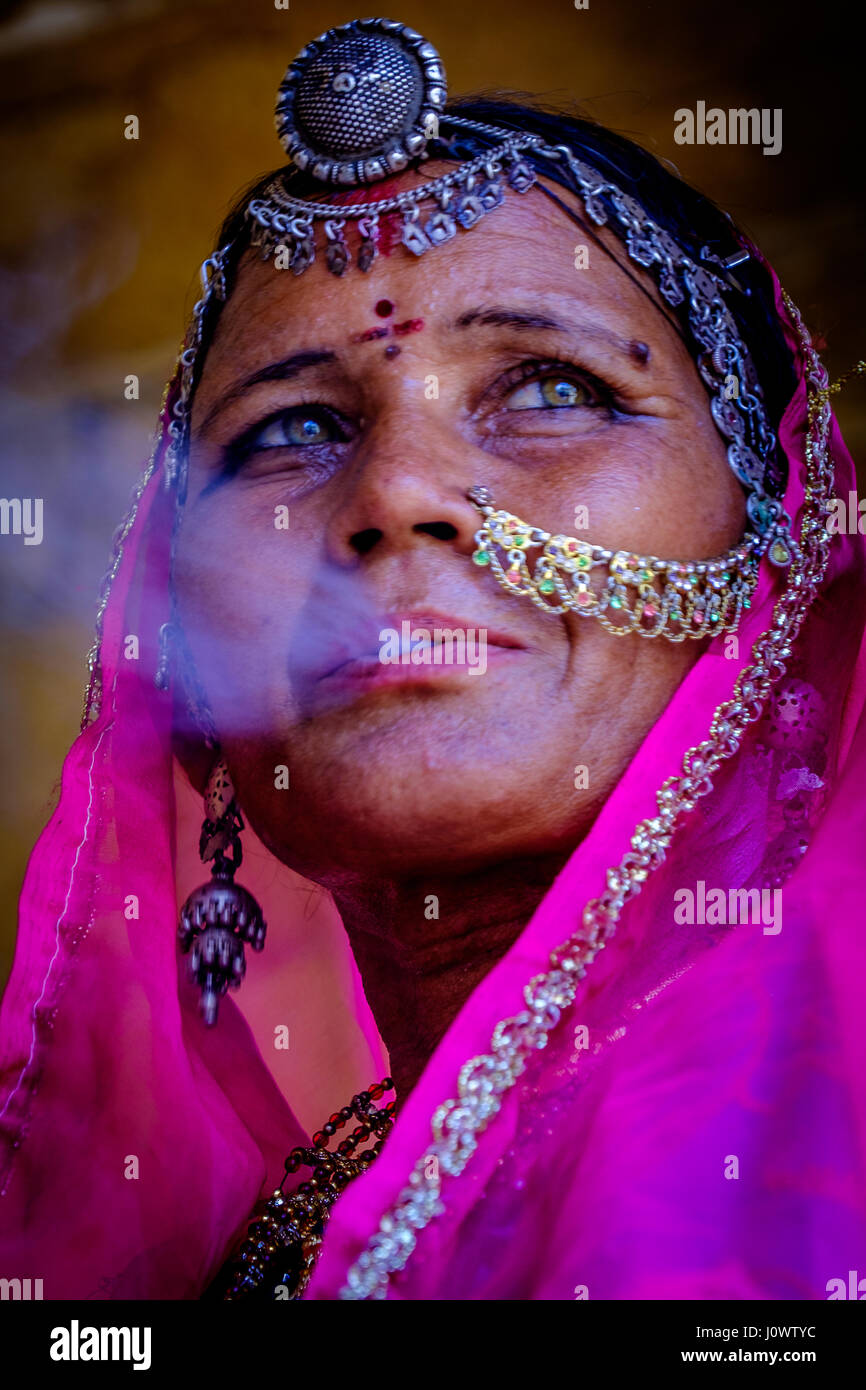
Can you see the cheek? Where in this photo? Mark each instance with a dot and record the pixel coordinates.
(655, 487)
(240, 586)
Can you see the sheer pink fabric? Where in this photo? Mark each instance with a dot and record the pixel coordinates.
(695, 1129)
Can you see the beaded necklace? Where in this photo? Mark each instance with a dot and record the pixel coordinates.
(283, 1241)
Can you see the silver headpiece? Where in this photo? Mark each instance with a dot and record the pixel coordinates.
(363, 102)
(360, 102)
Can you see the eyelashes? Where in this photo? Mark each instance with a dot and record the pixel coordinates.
(307, 436)
(305, 426)
(583, 388)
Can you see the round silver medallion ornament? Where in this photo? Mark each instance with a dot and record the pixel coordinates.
(360, 102)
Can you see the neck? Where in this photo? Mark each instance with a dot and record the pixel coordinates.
(423, 944)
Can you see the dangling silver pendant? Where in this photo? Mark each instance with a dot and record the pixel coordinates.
(521, 176)
(469, 210)
(337, 257)
(413, 237)
(491, 194)
(669, 287)
(220, 917)
(303, 255)
(440, 227)
(337, 252)
(640, 249)
(369, 249)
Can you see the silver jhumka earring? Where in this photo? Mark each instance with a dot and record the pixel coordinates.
(220, 917)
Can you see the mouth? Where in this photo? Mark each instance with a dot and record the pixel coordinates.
(418, 648)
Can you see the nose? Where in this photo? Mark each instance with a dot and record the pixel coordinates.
(407, 489)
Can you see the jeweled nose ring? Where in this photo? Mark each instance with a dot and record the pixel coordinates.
(627, 593)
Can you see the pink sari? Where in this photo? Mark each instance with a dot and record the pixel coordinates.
(695, 1129)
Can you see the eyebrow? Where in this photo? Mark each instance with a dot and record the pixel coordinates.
(501, 316)
(284, 370)
(484, 316)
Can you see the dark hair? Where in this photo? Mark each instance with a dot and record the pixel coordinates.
(692, 219)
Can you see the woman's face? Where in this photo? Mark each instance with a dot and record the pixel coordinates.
(367, 406)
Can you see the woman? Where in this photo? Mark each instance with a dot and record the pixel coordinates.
(451, 595)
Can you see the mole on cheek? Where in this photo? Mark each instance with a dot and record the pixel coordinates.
(639, 352)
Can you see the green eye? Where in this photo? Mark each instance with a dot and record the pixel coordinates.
(305, 430)
(558, 391)
(294, 428)
(549, 392)
(304, 434)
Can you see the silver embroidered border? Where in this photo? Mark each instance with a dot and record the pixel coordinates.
(93, 691)
(483, 1080)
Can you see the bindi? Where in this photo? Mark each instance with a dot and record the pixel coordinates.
(369, 335)
(639, 352)
(385, 308)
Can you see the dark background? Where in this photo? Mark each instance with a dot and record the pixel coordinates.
(101, 238)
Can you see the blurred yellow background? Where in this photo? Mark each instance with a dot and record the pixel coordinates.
(101, 238)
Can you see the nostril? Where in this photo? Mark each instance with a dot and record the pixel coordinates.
(363, 541)
(441, 530)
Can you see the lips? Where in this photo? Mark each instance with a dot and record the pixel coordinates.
(426, 631)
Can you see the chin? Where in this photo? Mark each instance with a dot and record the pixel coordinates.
(393, 823)
(447, 735)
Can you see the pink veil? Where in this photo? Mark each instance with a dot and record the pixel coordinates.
(696, 1127)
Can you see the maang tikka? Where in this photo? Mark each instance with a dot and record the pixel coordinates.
(220, 917)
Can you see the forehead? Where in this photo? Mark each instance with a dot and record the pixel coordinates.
(527, 254)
